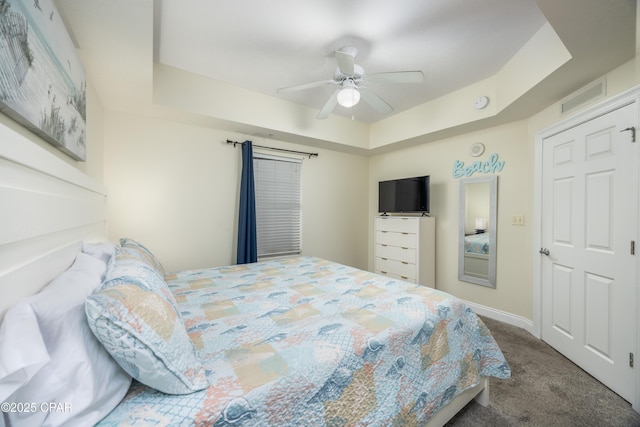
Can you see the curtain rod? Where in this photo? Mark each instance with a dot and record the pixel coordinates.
(275, 149)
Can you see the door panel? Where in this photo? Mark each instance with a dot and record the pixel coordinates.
(598, 316)
(599, 203)
(561, 301)
(589, 278)
(562, 200)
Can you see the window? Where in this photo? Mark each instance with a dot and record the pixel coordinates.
(278, 207)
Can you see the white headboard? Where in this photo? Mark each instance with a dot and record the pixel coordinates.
(47, 208)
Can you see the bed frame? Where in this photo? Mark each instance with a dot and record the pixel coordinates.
(49, 207)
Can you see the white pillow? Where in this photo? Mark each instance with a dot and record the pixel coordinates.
(79, 374)
(18, 366)
(101, 250)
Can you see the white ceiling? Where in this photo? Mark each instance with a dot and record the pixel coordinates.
(265, 45)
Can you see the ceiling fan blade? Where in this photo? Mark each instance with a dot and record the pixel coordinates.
(396, 77)
(345, 62)
(329, 106)
(306, 86)
(375, 101)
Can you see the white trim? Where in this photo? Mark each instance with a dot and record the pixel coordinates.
(503, 316)
(627, 97)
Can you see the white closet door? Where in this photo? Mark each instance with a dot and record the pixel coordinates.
(589, 221)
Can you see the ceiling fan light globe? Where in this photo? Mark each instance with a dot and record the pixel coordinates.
(348, 97)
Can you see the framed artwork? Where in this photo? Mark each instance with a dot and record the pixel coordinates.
(42, 81)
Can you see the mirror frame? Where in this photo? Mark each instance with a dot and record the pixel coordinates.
(493, 216)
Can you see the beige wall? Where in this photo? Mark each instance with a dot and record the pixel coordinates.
(515, 144)
(174, 186)
(513, 293)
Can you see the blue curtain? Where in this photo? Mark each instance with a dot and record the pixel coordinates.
(247, 242)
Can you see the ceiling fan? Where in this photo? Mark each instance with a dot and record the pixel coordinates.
(352, 81)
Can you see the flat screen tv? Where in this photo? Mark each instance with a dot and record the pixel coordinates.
(406, 195)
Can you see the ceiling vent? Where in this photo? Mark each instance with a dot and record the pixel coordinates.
(593, 91)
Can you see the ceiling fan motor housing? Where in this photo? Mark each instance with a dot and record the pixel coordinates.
(358, 72)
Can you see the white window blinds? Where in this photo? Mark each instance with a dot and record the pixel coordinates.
(278, 205)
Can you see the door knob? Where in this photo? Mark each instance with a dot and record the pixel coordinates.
(544, 251)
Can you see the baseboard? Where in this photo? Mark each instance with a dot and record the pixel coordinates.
(503, 316)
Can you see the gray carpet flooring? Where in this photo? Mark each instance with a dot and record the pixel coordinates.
(545, 389)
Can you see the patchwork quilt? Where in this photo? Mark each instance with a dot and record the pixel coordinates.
(308, 342)
(477, 243)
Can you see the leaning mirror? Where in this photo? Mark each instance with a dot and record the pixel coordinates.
(477, 235)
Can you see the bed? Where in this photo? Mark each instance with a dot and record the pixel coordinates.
(98, 333)
(476, 255)
(477, 244)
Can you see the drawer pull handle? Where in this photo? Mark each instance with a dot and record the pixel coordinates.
(405, 248)
(404, 277)
(405, 233)
(383, 272)
(384, 231)
(405, 262)
(384, 245)
(384, 259)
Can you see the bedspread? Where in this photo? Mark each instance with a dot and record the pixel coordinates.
(477, 244)
(307, 342)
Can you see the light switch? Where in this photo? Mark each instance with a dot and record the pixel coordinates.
(517, 220)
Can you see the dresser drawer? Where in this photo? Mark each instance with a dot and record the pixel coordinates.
(400, 225)
(395, 276)
(392, 238)
(398, 253)
(400, 269)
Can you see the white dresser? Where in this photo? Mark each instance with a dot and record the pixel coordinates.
(405, 248)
